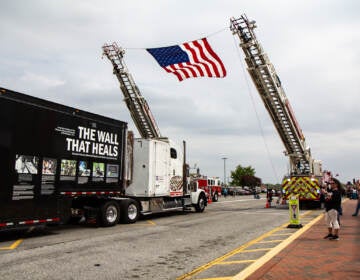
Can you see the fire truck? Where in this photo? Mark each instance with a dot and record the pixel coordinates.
(211, 186)
(304, 178)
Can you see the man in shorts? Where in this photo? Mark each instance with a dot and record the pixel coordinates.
(332, 206)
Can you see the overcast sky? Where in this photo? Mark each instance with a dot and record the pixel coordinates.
(52, 50)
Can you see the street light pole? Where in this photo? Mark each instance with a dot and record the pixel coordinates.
(224, 158)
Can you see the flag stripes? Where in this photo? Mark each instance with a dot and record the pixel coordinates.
(190, 60)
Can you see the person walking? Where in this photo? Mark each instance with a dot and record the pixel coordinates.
(332, 206)
(358, 202)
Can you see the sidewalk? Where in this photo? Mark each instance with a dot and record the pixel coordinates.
(312, 257)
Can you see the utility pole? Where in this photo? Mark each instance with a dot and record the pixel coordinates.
(224, 158)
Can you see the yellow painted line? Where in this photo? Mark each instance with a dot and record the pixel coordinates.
(271, 241)
(12, 246)
(237, 262)
(257, 250)
(256, 265)
(16, 244)
(282, 234)
(148, 223)
(216, 278)
(242, 248)
(231, 253)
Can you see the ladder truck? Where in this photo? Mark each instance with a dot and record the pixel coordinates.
(304, 178)
(158, 175)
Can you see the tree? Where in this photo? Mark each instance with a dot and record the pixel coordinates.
(250, 181)
(237, 176)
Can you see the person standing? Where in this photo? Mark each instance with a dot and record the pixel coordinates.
(332, 206)
(358, 202)
(269, 196)
(322, 198)
(225, 192)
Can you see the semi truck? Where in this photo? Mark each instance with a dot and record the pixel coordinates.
(59, 163)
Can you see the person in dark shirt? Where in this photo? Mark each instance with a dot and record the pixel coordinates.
(332, 206)
(358, 202)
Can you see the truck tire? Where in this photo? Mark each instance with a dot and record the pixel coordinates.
(200, 206)
(215, 197)
(109, 214)
(130, 211)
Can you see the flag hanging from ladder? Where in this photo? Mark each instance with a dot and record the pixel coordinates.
(190, 60)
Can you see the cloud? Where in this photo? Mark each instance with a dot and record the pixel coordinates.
(40, 81)
(52, 50)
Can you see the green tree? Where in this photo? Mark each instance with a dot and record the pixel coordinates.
(237, 176)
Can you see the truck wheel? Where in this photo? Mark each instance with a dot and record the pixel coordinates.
(109, 214)
(200, 206)
(130, 211)
(215, 197)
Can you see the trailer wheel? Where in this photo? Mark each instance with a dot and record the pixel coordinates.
(110, 214)
(200, 206)
(130, 211)
(215, 197)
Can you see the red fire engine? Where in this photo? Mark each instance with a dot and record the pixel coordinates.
(211, 186)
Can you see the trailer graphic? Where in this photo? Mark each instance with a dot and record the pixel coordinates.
(55, 159)
(59, 163)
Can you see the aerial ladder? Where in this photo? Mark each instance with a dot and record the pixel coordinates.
(137, 105)
(305, 172)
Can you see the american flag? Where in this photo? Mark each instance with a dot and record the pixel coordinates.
(190, 60)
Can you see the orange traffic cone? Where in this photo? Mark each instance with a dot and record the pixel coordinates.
(209, 199)
(267, 205)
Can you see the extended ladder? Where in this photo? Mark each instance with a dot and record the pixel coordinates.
(137, 105)
(269, 87)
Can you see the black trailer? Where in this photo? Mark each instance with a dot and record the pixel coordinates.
(56, 161)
